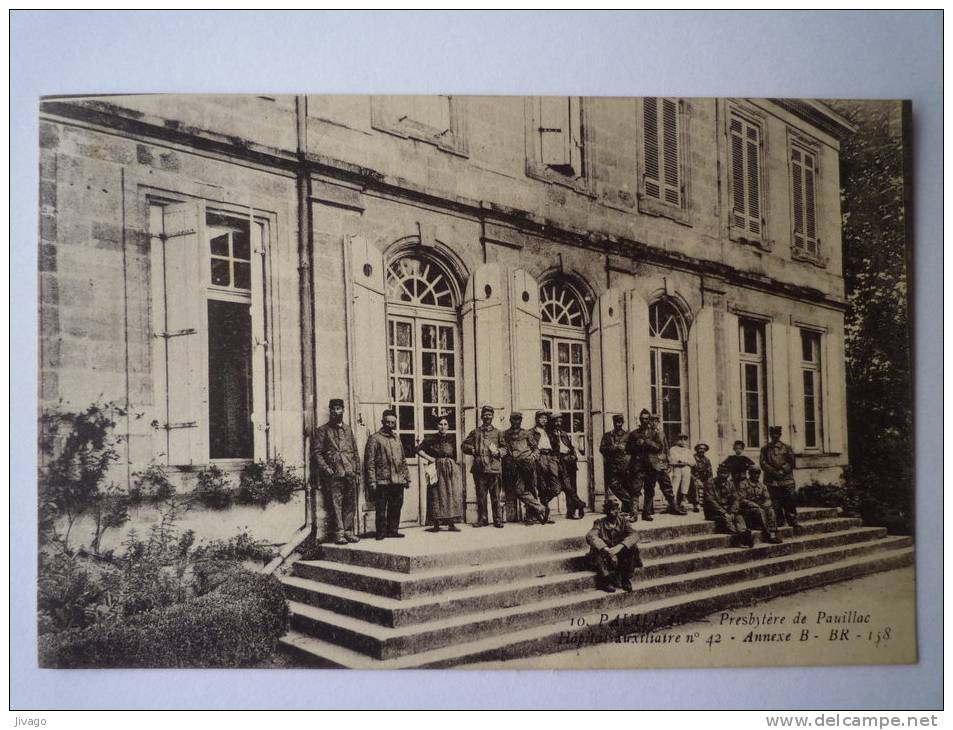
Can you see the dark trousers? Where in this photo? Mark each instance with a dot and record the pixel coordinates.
(340, 502)
(390, 498)
(619, 568)
(758, 517)
(729, 524)
(784, 499)
(573, 502)
(550, 480)
(619, 485)
(643, 482)
(488, 485)
(519, 482)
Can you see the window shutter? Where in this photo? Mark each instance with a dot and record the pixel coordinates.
(367, 324)
(797, 193)
(738, 209)
(485, 375)
(637, 355)
(810, 228)
(753, 181)
(794, 432)
(670, 151)
(702, 385)
(746, 143)
(607, 372)
(526, 338)
(576, 151)
(185, 278)
(261, 348)
(733, 384)
(554, 131)
(650, 134)
(833, 387)
(780, 375)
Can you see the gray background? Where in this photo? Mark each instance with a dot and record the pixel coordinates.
(757, 53)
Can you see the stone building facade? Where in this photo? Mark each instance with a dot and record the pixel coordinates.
(226, 264)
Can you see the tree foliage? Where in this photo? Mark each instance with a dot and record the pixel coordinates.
(877, 325)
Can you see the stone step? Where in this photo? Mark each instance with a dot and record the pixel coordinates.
(514, 540)
(383, 642)
(551, 636)
(404, 585)
(569, 576)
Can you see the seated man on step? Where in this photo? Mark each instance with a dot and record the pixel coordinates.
(613, 548)
(754, 503)
(721, 507)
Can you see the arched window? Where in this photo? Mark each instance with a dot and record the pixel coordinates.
(667, 367)
(565, 357)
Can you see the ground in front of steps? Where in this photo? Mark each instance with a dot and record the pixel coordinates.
(889, 599)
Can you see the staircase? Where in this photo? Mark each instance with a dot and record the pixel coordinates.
(439, 600)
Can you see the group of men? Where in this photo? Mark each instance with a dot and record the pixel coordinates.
(735, 499)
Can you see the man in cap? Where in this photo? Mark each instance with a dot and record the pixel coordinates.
(615, 462)
(549, 474)
(722, 508)
(336, 469)
(701, 475)
(575, 507)
(519, 471)
(754, 503)
(613, 548)
(486, 445)
(648, 465)
(387, 475)
(777, 462)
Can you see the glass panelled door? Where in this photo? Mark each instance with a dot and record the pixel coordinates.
(422, 361)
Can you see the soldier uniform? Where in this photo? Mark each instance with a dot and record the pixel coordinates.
(615, 462)
(721, 507)
(519, 471)
(336, 467)
(778, 463)
(486, 444)
(648, 465)
(613, 548)
(387, 476)
(575, 507)
(549, 471)
(701, 476)
(754, 503)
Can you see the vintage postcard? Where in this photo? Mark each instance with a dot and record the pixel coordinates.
(448, 381)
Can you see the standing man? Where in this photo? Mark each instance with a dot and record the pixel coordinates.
(336, 467)
(575, 507)
(486, 445)
(613, 548)
(648, 465)
(681, 459)
(615, 462)
(549, 474)
(777, 462)
(519, 470)
(387, 475)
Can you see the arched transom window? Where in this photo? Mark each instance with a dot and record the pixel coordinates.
(417, 280)
(560, 305)
(667, 367)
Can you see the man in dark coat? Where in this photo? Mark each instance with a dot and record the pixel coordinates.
(778, 464)
(336, 468)
(486, 444)
(648, 465)
(738, 464)
(519, 471)
(754, 503)
(615, 463)
(613, 548)
(721, 507)
(575, 507)
(387, 475)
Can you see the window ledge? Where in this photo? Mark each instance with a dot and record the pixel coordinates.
(651, 206)
(817, 260)
(741, 236)
(550, 175)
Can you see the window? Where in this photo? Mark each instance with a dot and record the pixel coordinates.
(555, 140)
(208, 312)
(745, 176)
(437, 120)
(667, 367)
(811, 379)
(564, 357)
(661, 131)
(803, 176)
(753, 385)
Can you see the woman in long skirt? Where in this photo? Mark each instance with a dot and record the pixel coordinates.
(445, 493)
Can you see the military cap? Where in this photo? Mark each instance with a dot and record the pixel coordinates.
(543, 412)
(388, 414)
(655, 417)
(618, 418)
(516, 416)
(336, 402)
(610, 502)
(702, 445)
(723, 468)
(645, 412)
(486, 409)
(555, 415)
(754, 470)
(775, 429)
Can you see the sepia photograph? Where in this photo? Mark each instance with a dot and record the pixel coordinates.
(406, 381)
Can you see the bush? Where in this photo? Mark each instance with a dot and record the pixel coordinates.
(268, 481)
(152, 485)
(237, 624)
(858, 500)
(816, 494)
(213, 488)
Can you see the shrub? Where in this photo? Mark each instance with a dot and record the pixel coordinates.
(68, 596)
(213, 488)
(151, 485)
(268, 481)
(237, 624)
